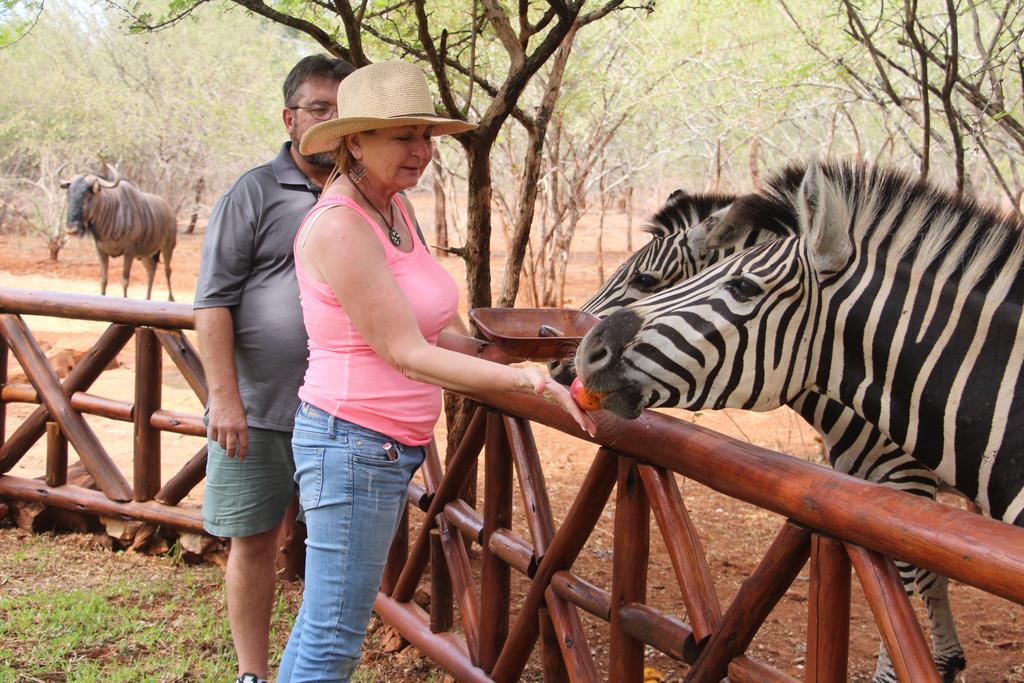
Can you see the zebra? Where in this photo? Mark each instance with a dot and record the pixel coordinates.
(883, 301)
(122, 220)
(678, 250)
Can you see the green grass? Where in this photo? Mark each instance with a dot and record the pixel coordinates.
(125, 630)
(71, 610)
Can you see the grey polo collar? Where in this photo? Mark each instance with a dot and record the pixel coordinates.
(287, 173)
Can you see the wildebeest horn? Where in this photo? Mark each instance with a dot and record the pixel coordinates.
(110, 183)
(62, 182)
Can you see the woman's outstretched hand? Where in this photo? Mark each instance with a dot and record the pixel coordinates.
(553, 392)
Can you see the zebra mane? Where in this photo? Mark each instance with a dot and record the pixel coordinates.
(920, 215)
(682, 211)
(774, 207)
(896, 184)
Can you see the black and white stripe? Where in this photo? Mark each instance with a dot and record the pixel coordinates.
(751, 367)
(896, 300)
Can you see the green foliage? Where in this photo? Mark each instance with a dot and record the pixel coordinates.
(201, 100)
(698, 87)
(17, 17)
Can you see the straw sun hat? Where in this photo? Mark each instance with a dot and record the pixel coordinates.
(381, 95)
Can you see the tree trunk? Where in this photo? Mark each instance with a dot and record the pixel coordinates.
(440, 207)
(458, 410)
(55, 244)
(200, 184)
(599, 247)
(563, 244)
(478, 223)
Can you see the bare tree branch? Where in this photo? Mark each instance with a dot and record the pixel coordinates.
(859, 34)
(503, 29)
(952, 75)
(436, 61)
(352, 21)
(910, 7)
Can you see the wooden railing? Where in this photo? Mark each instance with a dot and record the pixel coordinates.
(843, 525)
(62, 406)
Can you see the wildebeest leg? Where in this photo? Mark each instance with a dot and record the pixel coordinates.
(149, 263)
(165, 254)
(103, 270)
(126, 273)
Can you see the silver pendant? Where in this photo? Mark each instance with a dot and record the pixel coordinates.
(393, 235)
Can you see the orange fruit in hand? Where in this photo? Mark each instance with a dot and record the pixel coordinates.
(584, 398)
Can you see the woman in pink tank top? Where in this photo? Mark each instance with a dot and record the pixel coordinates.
(375, 303)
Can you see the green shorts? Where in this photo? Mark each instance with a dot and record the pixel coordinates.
(247, 497)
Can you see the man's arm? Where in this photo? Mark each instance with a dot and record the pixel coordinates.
(216, 349)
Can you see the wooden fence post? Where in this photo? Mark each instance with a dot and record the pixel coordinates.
(4, 355)
(828, 612)
(398, 553)
(629, 569)
(148, 390)
(686, 552)
(753, 603)
(894, 615)
(441, 606)
(56, 456)
(495, 574)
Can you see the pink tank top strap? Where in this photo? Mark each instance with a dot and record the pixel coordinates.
(331, 201)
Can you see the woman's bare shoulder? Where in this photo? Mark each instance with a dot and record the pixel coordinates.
(341, 231)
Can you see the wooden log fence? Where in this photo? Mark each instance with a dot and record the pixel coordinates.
(842, 525)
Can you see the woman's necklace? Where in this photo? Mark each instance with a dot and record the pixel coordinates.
(396, 239)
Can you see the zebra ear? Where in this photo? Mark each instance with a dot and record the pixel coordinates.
(697, 236)
(733, 222)
(823, 218)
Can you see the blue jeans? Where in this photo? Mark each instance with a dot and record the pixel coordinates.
(352, 496)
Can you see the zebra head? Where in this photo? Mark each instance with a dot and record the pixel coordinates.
(735, 335)
(81, 190)
(679, 246)
(677, 250)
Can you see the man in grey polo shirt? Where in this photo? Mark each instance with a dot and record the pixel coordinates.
(253, 346)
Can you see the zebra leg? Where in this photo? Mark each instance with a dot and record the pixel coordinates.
(884, 670)
(126, 273)
(858, 448)
(946, 648)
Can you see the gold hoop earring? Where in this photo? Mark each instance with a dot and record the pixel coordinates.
(357, 173)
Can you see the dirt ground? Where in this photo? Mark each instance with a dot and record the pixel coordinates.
(735, 535)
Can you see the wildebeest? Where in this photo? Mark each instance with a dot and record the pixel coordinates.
(124, 221)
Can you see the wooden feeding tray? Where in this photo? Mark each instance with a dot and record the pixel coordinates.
(539, 334)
